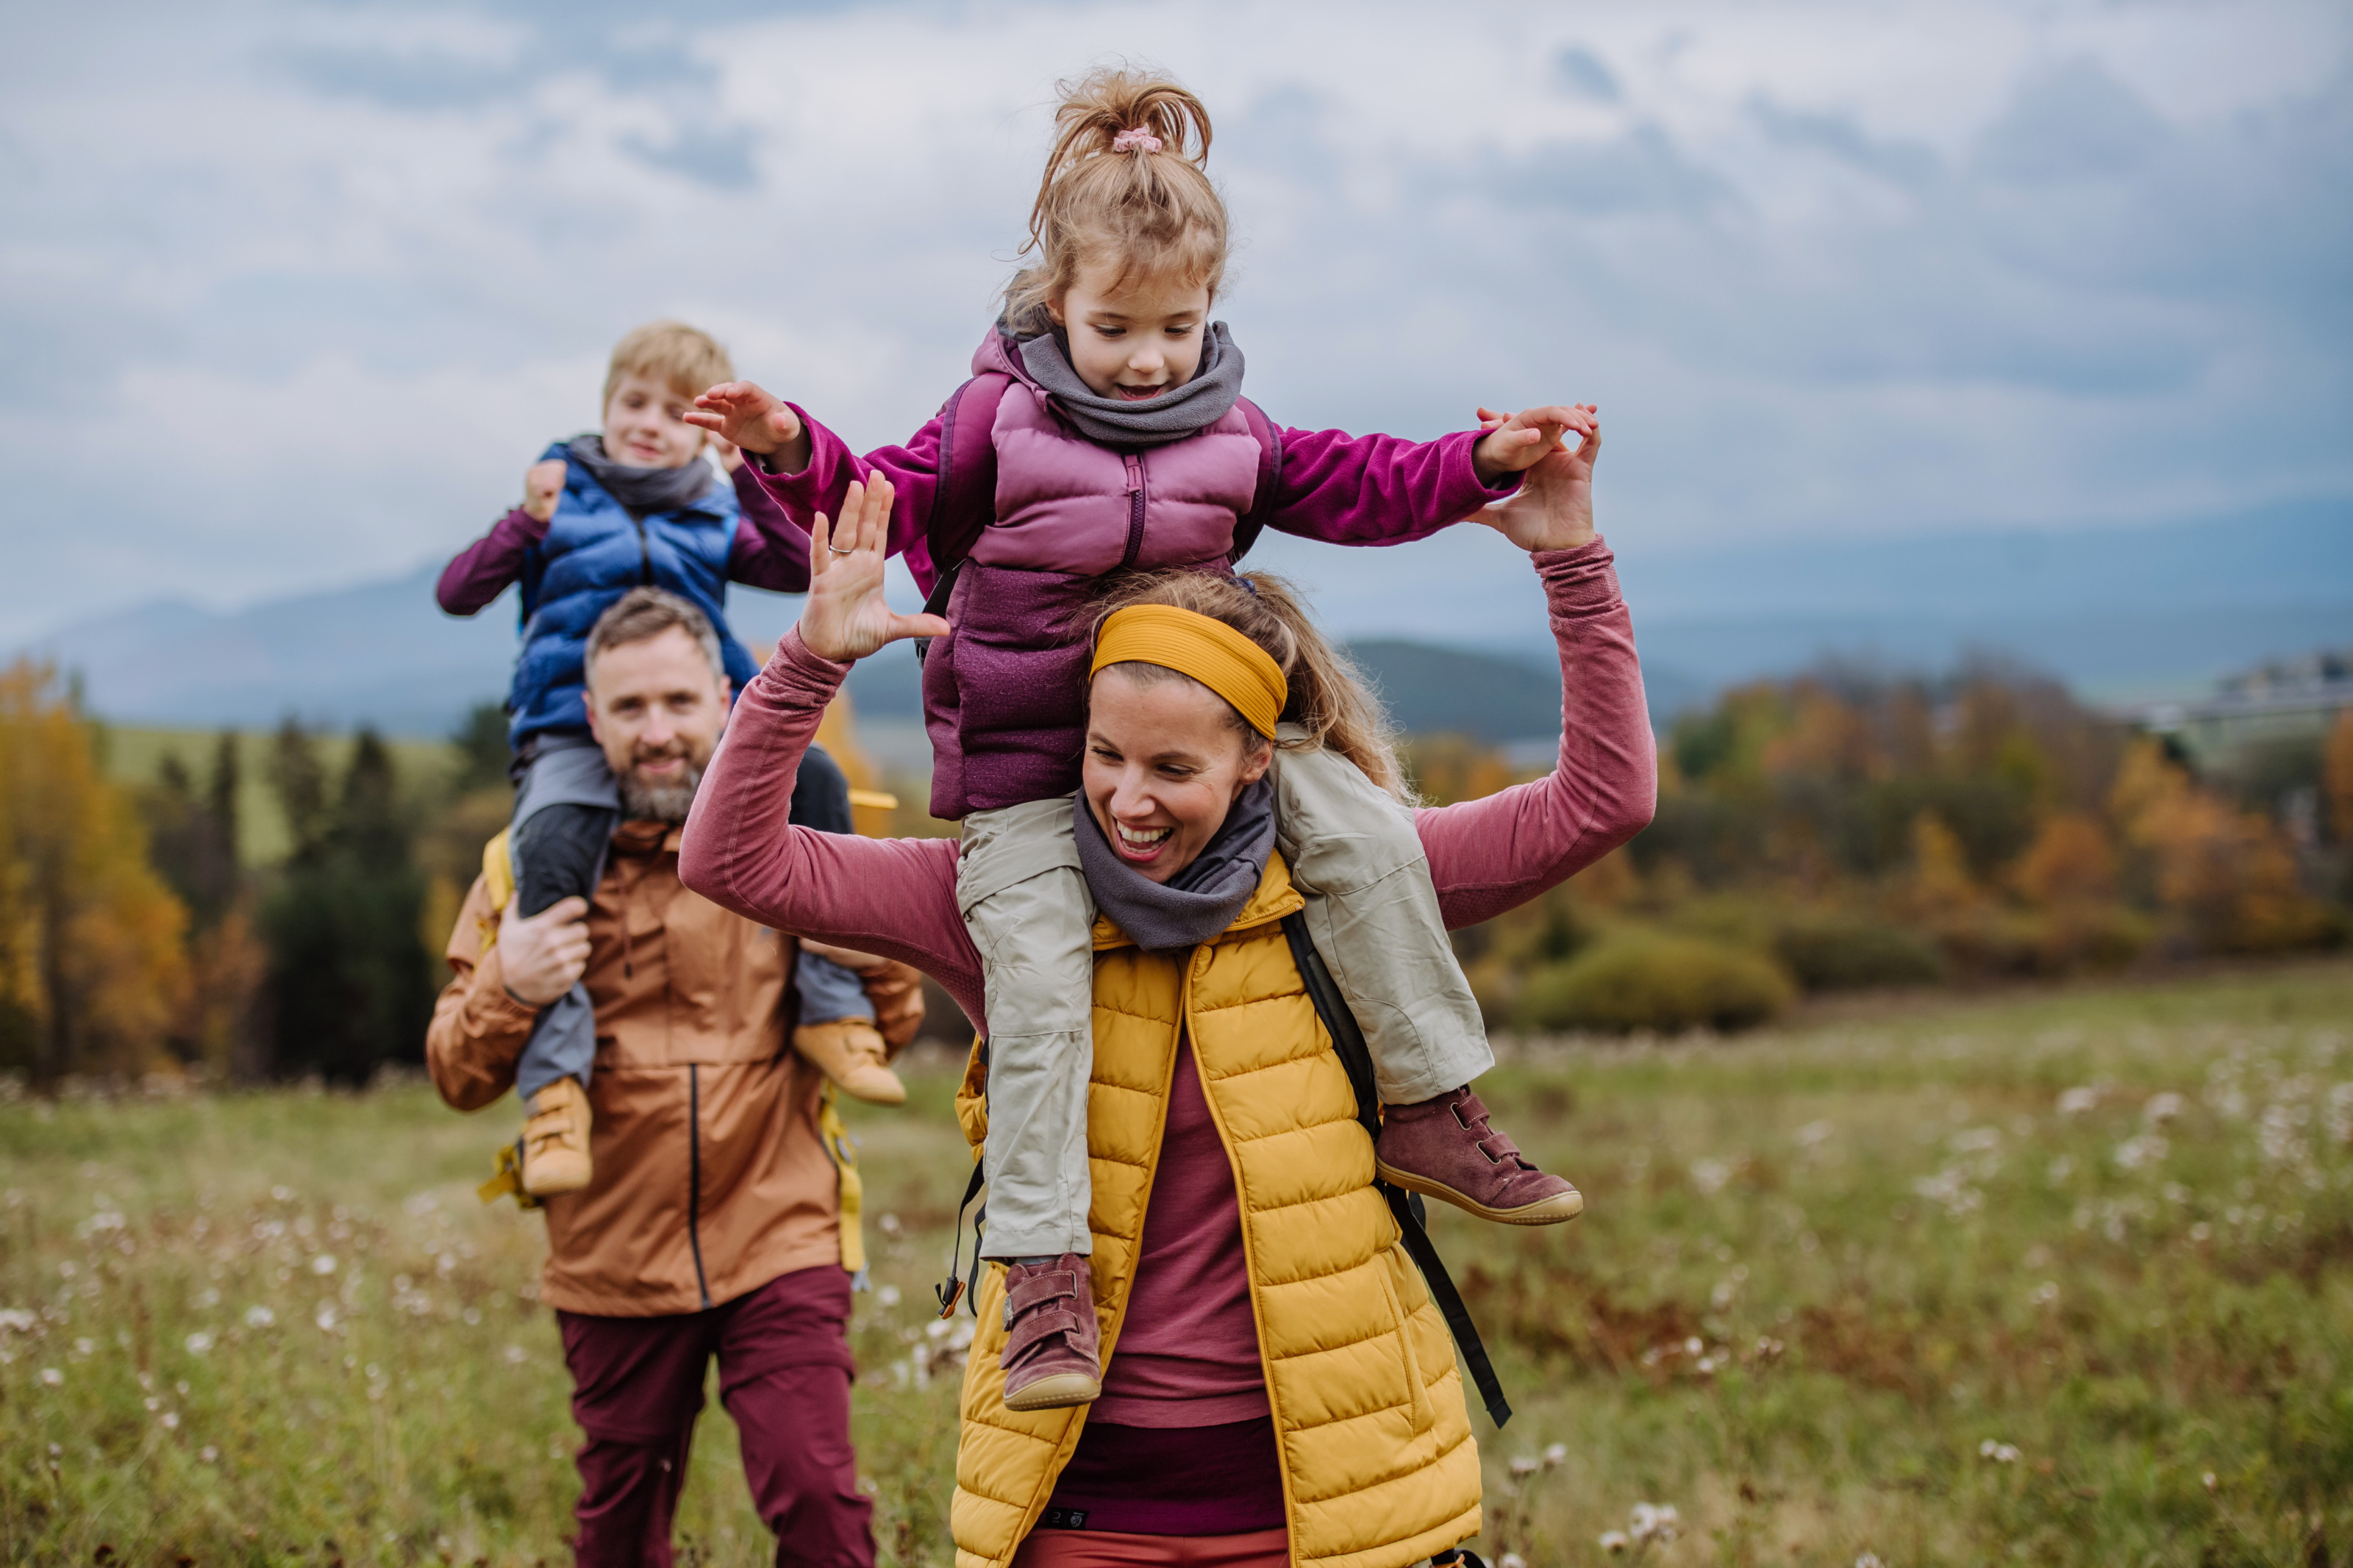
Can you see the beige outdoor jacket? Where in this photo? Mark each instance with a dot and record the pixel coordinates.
(710, 1179)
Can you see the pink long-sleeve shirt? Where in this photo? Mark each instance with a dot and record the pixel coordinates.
(1190, 1321)
(897, 896)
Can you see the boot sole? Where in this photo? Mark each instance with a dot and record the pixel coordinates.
(1557, 1210)
(1058, 1392)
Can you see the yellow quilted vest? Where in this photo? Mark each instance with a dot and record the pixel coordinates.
(1379, 1469)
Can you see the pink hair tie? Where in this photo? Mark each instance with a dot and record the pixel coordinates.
(1136, 141)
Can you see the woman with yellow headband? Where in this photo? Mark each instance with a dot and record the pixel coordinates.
(1277, 1385)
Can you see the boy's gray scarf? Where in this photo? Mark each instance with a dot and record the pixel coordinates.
(1171, 417)
(1200, 902)
(641, 491)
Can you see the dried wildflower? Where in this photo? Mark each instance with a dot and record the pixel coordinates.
(15, 1322)
(259, 1317)
(198, 1343)
(1653, 1521)
(1558, 1454)
(2076, 1101)
(2162, 1108)
(514, 1354)
(1613, 1542)
(1869, 1560)
(1526, 1465)
(2000, 1453)
(51, 1377)
(324, 1264)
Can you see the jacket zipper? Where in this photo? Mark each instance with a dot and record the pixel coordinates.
(1134, 462)
(694, 1177)
(645, 554)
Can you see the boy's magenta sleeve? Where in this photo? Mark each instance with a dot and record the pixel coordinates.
(1489, 856)
(771, 551)
(895, 897)
(1378, 490)
(819, 486)
(481, 572)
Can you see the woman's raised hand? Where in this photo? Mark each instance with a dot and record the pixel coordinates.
(1553, 509)
(845, 617)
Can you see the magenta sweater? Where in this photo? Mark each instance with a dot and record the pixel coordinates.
(1001, 690)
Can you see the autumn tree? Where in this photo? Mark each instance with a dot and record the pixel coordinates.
(91, 966)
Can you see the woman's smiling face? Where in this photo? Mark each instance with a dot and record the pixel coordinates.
(1165, 763)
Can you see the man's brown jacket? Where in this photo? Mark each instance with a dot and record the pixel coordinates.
(710, 1179)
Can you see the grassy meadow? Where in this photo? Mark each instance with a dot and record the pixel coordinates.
(2058, 1276)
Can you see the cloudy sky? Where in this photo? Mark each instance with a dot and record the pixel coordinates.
(290, 294)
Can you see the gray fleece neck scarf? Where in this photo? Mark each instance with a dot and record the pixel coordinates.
(1171, 417)
(641, 491)
(1200, 902)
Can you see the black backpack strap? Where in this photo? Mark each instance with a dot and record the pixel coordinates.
(1348, 1041)
(1269, 478)
(963, 502)
(956, 1289)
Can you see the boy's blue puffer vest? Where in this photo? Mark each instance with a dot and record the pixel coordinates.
(595, 552)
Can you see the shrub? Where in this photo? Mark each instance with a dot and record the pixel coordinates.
(1669, 984)
(1852, 952)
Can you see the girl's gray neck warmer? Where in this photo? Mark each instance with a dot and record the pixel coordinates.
(1171, 417)
(1200, 902)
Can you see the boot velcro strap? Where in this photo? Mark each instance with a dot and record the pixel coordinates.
(1035, 1290)
(1036, 1327)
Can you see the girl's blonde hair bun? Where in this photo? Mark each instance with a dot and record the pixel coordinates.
(1125, 183)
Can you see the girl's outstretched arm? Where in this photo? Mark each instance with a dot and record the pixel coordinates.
(1379, 489)
(802, 468)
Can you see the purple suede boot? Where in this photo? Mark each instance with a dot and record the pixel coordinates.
(1443, 1149)
(1053, 1346)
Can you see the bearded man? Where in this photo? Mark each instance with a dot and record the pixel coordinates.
(712, 1224)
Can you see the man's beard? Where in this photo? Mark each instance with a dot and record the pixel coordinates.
(668, 802)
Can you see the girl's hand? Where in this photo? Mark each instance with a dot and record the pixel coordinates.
(1553, 509)
(845, 617)
(755, 419)
(1516, 442)
(543, 486)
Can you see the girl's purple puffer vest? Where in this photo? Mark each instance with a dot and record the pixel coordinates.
(1002, 697)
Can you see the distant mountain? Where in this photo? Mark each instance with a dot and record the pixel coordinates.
(1453, 627)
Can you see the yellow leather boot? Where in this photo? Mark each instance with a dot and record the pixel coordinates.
(850, 1052)
(555, 1139)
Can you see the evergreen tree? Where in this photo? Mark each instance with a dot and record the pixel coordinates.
(349, 979)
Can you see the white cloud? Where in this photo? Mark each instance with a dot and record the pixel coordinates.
(299, 290)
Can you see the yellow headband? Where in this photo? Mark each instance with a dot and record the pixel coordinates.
(1210, 651)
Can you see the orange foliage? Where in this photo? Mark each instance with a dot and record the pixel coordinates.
(92, 967)
(2337, 776)
(2070, 863)
(2229, 875)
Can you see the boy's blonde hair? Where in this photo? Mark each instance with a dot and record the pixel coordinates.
(683, 358)
(1144, 204)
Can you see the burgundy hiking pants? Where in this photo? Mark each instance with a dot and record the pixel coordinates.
(783, 1375)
